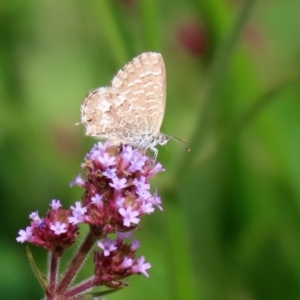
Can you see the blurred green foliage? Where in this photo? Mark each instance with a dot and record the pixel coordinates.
(230, 228)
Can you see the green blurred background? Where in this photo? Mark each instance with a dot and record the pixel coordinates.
(230, 228)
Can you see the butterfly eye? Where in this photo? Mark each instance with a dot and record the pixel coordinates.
(90, 120)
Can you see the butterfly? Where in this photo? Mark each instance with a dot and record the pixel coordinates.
(131, 110)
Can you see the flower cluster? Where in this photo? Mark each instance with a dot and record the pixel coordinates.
(117, 261)
(117, 193)
(54, 232)
(117, 189)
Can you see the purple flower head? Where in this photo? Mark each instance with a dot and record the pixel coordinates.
(117, 261)
(53, 232)
(116, 187)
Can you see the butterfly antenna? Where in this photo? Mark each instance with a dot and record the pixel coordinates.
(181, 142)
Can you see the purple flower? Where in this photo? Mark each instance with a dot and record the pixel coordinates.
(110, 173)
(55, 204)
(106, 160)
(34, 216)
(97, 199)
(24, 235)
(97, 150)
(141, 183)
(94, 154)
(134, 245)
(147, 207)
(129, 216)
(137, 162)
(128, 152)
(78, 210)
(58, 227)
(120, 202)
(156, 169)
(124, 235)
(77, 181)
(127, 262)
(155, 200)
(75, 220)
(107, 246)
(118, 183)
(141, 266)
(78, 213)
(144, 194)
(142, 187)
(102, 147)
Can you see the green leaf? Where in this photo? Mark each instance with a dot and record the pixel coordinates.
(41, 277)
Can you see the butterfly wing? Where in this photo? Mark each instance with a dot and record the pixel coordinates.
(96, 113)
(142, 82)
(132, 106)
(104, 113)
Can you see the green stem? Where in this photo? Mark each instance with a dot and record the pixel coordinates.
(217, 73)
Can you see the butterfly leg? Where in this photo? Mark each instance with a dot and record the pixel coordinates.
(155, 151)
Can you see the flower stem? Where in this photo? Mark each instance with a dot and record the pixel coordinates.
(53, 270)
(80, 288)
(76, 262)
